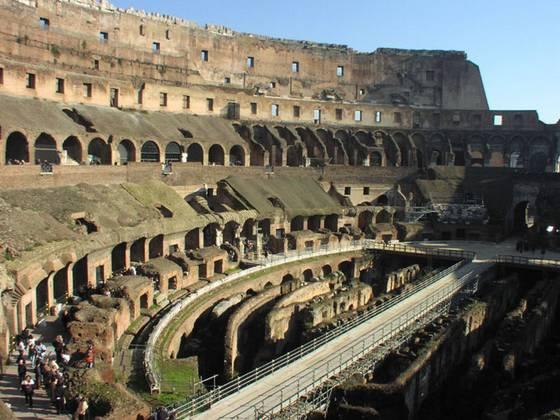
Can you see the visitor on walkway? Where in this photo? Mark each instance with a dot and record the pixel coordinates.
(59, 396)
(21, 369)
(28, 387)
(90, 356)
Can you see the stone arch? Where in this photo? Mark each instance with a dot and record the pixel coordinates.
(496, 149)
(248, 230)
(216, 155)
(296, 224)
(331, 222)
(538, 162)
(383, 217)
(73, 148)
(45, 149)
(192, 239)
(268, 285)
(287, 284)
(138, 250)
(347, 268)
(118, 257)
(375, 159)
(17, 148)
(382, 200)
(326, 270)
(210, 234)
(99, 152)
(237, 156)
(230, 229)
(405, 147)
(150, 152)
(60, 284)
(294, 155)
(195, 153)
(365, 219)
(155, 247)
(173, 152)
(126, 151)
(307, 275)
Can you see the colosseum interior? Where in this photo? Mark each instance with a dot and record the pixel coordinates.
(208, 209)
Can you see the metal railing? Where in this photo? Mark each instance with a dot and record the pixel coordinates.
(527, 261)
(265, 404)
(150, 364)
(231, 387)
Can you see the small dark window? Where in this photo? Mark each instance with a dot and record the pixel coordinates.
(114, 98)
(210, 104)
(275, 110)
(96, 64)
(397, 117)
(156, 47)
(227, 80)
(142, 30)
(430, 76)
(103, 37)
(297, 111)
(30, 81)
(167, 34)
(162, 99)
(295, 66)
(366, 190)
(88, 90)
(250, 62)
(340, 71)
(273, 85)
(204, 55)
(44, 23)
(254, 108)
(186, 102)
(59, 85)
(1, 76)
(347, 190)
(362, 92)
(338, 114)
(140, 97)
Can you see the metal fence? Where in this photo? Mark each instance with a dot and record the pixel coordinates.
(231, 387)
(528, 261)
(150, 363)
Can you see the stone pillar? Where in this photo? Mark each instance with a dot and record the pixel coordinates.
(322, 222)
(50, 291)
(259, 244)
(219, 237)
(146, 251)
(127, 255)
(70, 279)
(305, 223)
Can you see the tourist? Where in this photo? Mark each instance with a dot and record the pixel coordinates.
(41, 350)
(28, 387)
(81, 410)
(39, 368)
(21, 369)
(59, 396)
(59, 346)
(32, 352)
(90, 356)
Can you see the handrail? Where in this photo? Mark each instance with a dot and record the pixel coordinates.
(248, 378)
(530, 261)
(152, 374)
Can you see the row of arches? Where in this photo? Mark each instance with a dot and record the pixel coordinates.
(100, 152)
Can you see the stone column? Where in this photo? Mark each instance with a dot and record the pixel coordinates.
(50, 291)
(70, 279)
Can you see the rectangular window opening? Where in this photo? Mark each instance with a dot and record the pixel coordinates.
(44, 23)
(88, 89)
(317, 116)
(340, 71)
(338, 114)
(430, 75)
(103, 37)
(59, 85)
(377, 116)
(204, 55)
(297, 111)
(114, 98)
(156, 47)
(347, 190)
(357, 115)
(186, 102)
(295, 66)
(30, 81)
(254, 108)
(275, 110)
(210, 104)
(366, 190)
(142, 30)
(162, 99)
(397, 117)
(227, 80)
(140, 96)
(498, 120)
(1, 76)
(250, 62)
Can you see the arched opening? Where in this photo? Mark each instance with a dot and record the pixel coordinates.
(144, 304)
(229, 231)
(248, 230)
(296, 224)
(382, 200)
(287, 284)
(45, 149)
(268, 286)
(294, 155)
(308, 275)
(156, 247)
(210, 234)
(216, 155)
(118, 257)
(314, 223)
(264, 227)
(149, 152)
(419, 159)
(17, 148)
(79, 275)
(173, 152)
(365, 219)
(41, 295)
(172, 283)
(326, 270)
(99, 152)
(436, 158)
(347, 268)
(331, 222)
(375, 159)
(192, 239)
(383, 217)
(60, 284)
(138, 250)
(127, 152)
(237, 156)
(73, 150)
(523, 217)
(195, 153)
(250, 293)
(537, 162)
(515, 160)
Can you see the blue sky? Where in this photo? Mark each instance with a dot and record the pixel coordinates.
(516, 43)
